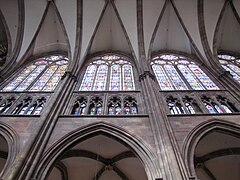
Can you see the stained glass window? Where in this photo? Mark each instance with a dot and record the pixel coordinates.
(108, 72)
(180, 73)
(42, 75)
(231, 64)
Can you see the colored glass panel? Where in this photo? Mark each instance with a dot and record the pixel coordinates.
(115, 78)
(235, 76)
(218, 109)
(87, 83)
(128, 80)
(175, 78)
(44, 78)
(207, 82)
(169, 57)
(30, 78)
(234, 68)
(226, 108)
(162, 78)
(52, 83)
(14, 83)
(109, 72)
(210, 108)
(101, 78)
(38, 75)
(194, 83)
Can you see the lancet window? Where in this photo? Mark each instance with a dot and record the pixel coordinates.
(5, 104)
(41, 75)
(104, 104)
(130, 106)
(114, 106)
(28, 106)
(191, 105)
(200, 103)
(218, 104)
(80, 106)
(96, 106)
(180, 73)
(231, 64)
(108, 73)
(175, 106)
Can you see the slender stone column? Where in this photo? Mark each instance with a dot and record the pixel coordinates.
(170, 159)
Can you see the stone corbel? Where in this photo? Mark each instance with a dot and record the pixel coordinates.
(225, 74)
(70, 74)
(145, 74)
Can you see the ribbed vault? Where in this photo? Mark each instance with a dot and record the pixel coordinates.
(99, 157)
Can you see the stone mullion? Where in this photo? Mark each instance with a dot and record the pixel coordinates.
(200, 104)
(162, 128)
(88, 97)
(183, 77)
(183, 104)
(218, 103)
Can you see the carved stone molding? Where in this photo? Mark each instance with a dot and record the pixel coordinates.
(70, 74)
(145, 74)
(225, 74)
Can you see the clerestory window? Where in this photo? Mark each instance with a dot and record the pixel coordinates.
(231, 64)
(108, 73)
(41, 75)
(180, 73)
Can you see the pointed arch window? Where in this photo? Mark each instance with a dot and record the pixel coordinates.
(180, 73)
(41, 75)
(231, 64)
(108, 72)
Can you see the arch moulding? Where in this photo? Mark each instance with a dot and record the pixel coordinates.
(12, 140)
(145, 155)
(197, 133)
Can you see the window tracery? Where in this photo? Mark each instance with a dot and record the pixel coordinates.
(22, 107)
(130, 106)
(226, 104)
(37, 107)
(175, 105)
(191, 105)
(199, 103)
(211, 105)
(95, 106)
(114, 106)
(108, 72)
(42, 75)
(179, 73)
(6, 104)
(231, 64)
(80, 106)
(28, 106)
(22, 104)
(104, 104)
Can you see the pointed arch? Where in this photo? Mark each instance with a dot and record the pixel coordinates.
(122, 78)
(31, 50)
(199, 132)
(108, 25)
(228, 12)
(135, 144)
(168, 27)
(11, 138)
